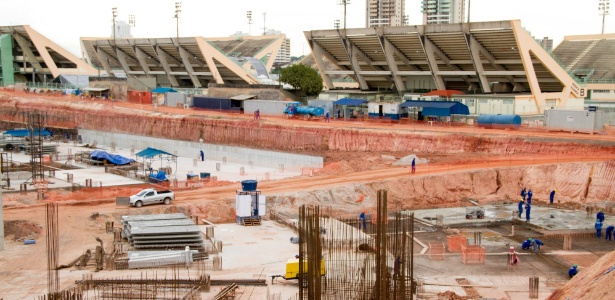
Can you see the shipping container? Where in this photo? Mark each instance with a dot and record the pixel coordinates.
(265, 107)
(175, 99)
(217, 104)
(140, 97)
(327, 105)
(574, 120)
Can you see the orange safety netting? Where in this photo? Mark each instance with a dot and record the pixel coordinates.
(472, 254)
(455, 242)
(436, 250)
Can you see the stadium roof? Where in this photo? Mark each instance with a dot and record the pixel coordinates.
(187, 61)
(467, 57)
(33, 53)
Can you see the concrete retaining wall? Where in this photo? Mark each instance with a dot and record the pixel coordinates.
(238, 155)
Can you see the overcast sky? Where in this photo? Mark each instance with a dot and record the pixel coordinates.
(65, 21)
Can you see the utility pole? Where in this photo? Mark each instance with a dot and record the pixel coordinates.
(605, 7)
(178, 6)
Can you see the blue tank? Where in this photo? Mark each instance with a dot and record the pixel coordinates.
(298, 109)
(313, 111)
(499, 121)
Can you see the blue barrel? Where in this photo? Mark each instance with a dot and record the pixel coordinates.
(205, 175)
(499, 121)
(249, 185)
(29, 242)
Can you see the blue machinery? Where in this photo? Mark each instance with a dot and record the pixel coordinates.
(298, 109)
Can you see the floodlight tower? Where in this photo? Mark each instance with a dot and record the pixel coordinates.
(249, 16)
(178, 6)
(605, 7)
(345, 3)
(131, 20)
(114, 14)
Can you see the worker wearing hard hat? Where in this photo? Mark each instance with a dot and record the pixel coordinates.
(573, 271)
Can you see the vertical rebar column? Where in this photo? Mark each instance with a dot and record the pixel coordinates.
(382, 275)
(51, 216)
(567, 242)
(310, 253)
(534, 282)
(35, 127)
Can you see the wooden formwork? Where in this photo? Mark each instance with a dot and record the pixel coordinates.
(436, 250)
(472, 254)
(455, 242)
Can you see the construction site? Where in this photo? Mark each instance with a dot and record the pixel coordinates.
(339, 192)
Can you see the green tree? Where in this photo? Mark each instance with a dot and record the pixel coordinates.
(303, 78)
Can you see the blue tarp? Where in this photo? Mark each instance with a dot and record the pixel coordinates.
(350, 102)
(163, 90)
(439, 108)
(26, 132)
(115, 159)
(151, 152)
(161, 176)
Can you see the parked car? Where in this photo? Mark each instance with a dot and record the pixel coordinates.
(151, 196)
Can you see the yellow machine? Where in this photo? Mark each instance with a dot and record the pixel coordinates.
(292, 269)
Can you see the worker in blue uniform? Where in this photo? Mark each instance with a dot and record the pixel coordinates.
(528, 207)
(202, 155)
(520, 208)
(523, 193)
(529, 197)
(609, 232)
(362, 219)
(536, 243)
(552, 196)
(598, 227)
(527, 244)
(413, 165)
(573, 271)
(600, 215)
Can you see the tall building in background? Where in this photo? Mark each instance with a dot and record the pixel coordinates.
(443, 11)
(385, 13)
(122, 30)
(284, 52)
(546, 43)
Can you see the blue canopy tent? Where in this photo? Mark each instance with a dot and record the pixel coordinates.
(26, 132)
(115, 159)
(163, 90)
(151, 154)
(348, 102)
(438, 108)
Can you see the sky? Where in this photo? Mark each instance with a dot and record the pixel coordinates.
(65, 21)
